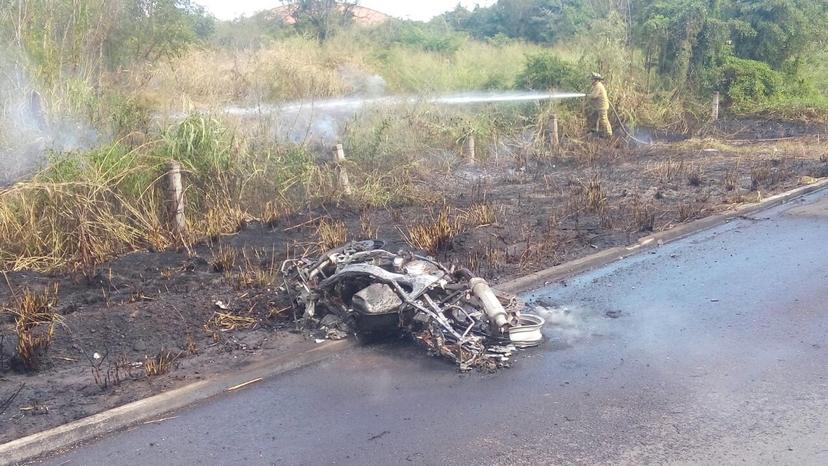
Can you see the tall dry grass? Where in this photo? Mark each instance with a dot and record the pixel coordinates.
(295, 68)
(290, 69)
(89, 206)
(76, 214)
(85, 208)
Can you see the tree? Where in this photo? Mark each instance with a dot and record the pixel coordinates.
(747, 83)
(780, 32)
(547, 71)
(321, 19)
(541, 21)
(249, 31)
(693, 39)
(669, 31)
(153, 29)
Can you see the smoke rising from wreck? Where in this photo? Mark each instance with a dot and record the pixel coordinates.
(569, 324)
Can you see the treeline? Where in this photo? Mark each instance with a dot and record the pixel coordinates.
(754, 52)
(751, 50)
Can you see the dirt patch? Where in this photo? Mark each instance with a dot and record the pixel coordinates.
(502, 218)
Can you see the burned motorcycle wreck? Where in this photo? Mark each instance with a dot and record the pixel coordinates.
(366, 289)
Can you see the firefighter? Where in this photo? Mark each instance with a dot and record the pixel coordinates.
(598, 112)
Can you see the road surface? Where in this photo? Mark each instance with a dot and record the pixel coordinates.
(710, 350)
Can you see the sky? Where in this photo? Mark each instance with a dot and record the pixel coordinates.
(422, 10)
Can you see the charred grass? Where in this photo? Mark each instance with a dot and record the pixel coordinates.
(642, 216)
(331, 234)
(73, 220)
(257, 270)
(224, 258)
(436, 232)
(667, 171)
(35, 317)
(161, 363)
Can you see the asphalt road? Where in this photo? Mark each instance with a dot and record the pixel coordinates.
(710, 350)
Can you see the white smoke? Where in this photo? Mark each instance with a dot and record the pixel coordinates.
(28, 132)
(361, 83)
(569, 324)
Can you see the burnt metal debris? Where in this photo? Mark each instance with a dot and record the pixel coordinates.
(364, 289)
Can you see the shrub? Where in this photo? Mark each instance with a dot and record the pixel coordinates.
(747, 83)
(547, 71)
(127, 114)
(425, 37)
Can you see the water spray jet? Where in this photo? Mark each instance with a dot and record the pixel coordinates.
(321, 119)
(357, 103)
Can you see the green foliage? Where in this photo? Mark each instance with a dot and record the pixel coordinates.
(152, 29)
(669, 31)
(320, 19)
(201, 143)
(248, 32)
(683, 42)
(420, 36)
(126, 114)
(686, 39)
(540, 21)
(780, 32)
(747, 84)
(474, 66)
(113, 164)
(547, 71)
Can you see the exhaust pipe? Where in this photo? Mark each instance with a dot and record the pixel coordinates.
(498, 316)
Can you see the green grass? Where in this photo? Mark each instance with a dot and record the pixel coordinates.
(810, 103)
(474, 66)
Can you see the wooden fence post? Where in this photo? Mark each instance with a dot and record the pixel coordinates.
(36, 109)
(556, 140)
(341, 171)
(469, 149)
(715, 110)
(175, 198)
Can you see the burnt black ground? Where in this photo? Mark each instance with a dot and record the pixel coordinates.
(145, 302)
(710, 350)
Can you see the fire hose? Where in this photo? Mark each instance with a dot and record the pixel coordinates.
(621, 124)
